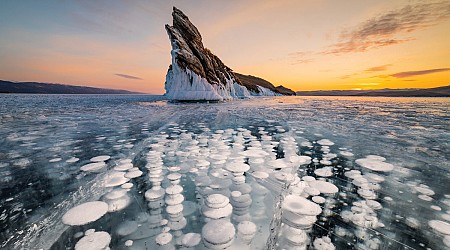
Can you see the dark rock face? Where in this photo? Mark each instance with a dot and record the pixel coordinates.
(284, 91)
(191, 58)
(252, 83)
(192, 54)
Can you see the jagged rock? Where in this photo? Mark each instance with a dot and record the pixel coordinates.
(252, 83)
(197, 74)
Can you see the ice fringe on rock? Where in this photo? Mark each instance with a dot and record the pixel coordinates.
(185, 85)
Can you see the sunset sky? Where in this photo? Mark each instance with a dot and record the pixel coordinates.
(303, 45)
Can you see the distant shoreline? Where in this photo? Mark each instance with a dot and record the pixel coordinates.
(429, 92)
(9, 87)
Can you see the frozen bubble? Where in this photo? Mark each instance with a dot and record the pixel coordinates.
(93, 167)
(324, 187)
(125, 161)
(424, 190)
(100, 158)
(308, 178)
(299, 205)
(436, 208)
(127, 185)
(446, 217)
(217, 210)
(115, 194)
(346, 153)
(387, 198)
(325, 142)
(85, 213)
(260, 175)
(165, 229)
(78, 235)
(323, 243)
(311, 191)
(440, 226)
(123, 167)
(246, 228)
(284, 177)
(376, 157)
(374, 204)
(163, 239)
(237, 167)
(127, 228)
(191, 239)
(318, 199)
(154, 194)
(425, 197)
(174, 209)
(133, 174)
(412, 222)
(118, 204)
(174, 189)
(374, 177)
(173, 176)
(298, 221)
(95, 241)
(352, 174)
(218, 233)
(375, 164)
(115, 179)
(216, 201)
(324, 172)
(89, 231)
(254, 152)
(325, 162)
(72, 160)
(303, 159)
(55, 160)
(128, 243)
(297, 237)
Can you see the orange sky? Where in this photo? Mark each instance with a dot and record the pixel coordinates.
(303, 45)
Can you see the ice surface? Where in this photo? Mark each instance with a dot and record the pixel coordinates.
(257, 162)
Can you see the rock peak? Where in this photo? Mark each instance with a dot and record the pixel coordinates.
(196, 73)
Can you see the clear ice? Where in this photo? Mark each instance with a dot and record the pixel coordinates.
(139, 172)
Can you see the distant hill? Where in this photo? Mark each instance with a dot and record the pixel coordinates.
(431, 92)
(252, 82)
(54, 88)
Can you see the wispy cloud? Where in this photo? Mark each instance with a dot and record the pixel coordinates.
(300, 57)
(418, 73)
(377, 68)
(384, 29)
(367, 71)
(129, 77)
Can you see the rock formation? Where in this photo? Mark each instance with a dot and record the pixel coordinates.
(197, 74)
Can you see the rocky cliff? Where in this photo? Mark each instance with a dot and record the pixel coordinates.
(197, 74)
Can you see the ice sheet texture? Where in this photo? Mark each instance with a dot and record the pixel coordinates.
(405, 207)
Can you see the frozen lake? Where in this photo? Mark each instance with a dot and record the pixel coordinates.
(279, 172)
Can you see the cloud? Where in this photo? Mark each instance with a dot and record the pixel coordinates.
(377, 68)
(384, 29)
(418, 73)
(300, 57)
(129, 77)
(369, 70)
